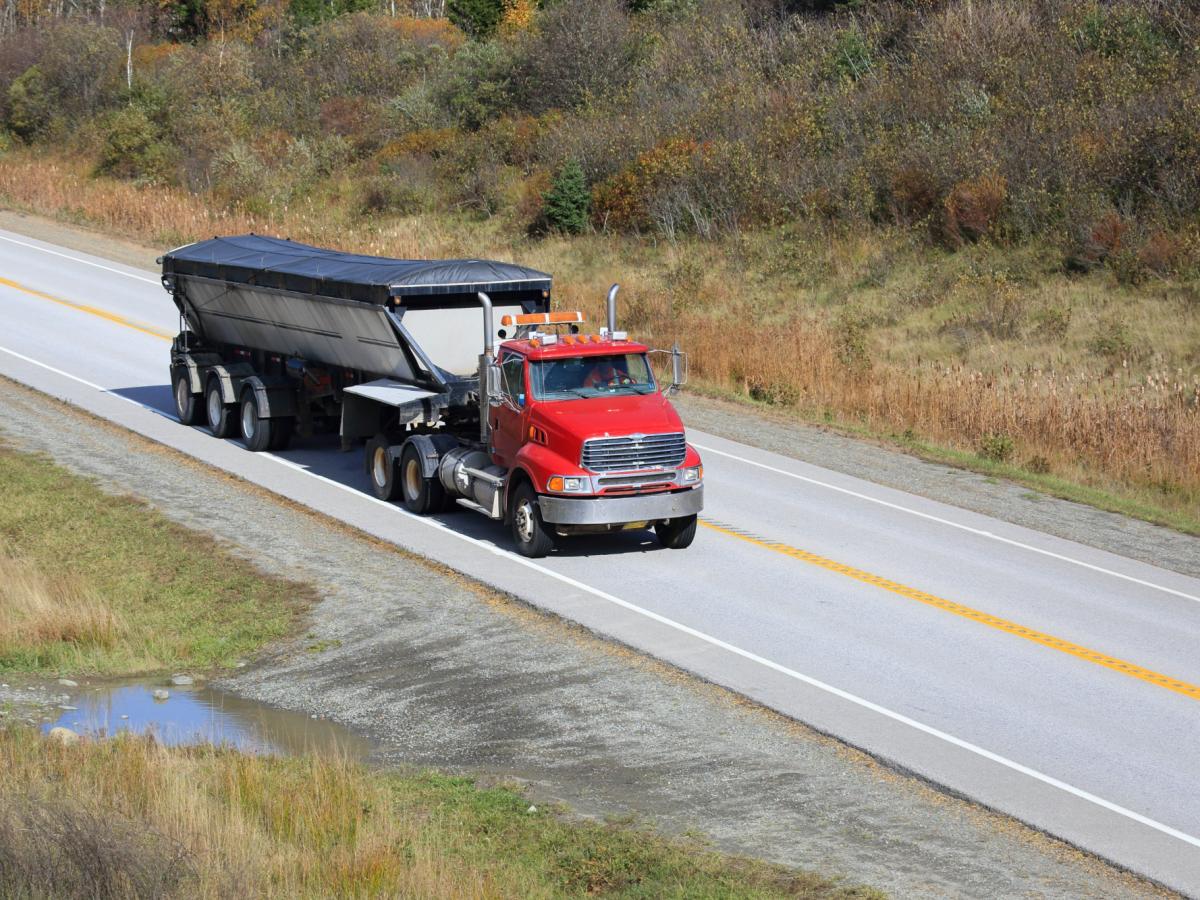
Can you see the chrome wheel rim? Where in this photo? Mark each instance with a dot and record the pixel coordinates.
(379, 466)
(181, 396)
(214, 408)
(523, 521)
(249, 419)
(412, 479)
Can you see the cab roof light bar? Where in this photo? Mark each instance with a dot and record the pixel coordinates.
(549, 318)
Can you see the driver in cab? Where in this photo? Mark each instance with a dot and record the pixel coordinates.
(605, 375)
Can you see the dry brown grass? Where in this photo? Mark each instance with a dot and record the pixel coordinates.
(41, 608)
(1115, 423)
(129, 817)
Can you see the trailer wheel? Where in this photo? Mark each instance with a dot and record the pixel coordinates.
(381, 469)
(220, 423)
(257, 432)
(529, 531)
(421, 495)
(676, 534)
(186, 405)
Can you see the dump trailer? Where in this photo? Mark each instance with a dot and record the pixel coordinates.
(463, 386)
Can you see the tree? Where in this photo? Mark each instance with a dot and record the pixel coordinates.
(568, 203)
(30, 103)
(478, 18)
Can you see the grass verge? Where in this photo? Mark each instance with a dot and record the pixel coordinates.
(129, 817)
(92, 583)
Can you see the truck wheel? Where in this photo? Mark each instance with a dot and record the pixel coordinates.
(421, 495)
(281, 432)
(381, 469)
(220, 423)
(676, 534)
(186, 403)
(528, 529)
(257, 432)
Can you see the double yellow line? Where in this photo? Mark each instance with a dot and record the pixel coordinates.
(910, 593)
(1030, 634)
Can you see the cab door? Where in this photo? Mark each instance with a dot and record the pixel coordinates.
(508, 417)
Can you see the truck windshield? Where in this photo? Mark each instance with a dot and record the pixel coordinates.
(591, 376)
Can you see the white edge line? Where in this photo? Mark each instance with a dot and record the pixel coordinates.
(951, 523)
(86, 262)
(699, 635)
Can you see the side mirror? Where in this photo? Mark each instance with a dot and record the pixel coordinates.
(493, 384)
(679, 368)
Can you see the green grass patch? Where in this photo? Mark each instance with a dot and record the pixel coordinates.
(102, 584)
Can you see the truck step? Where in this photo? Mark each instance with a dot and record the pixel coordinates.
(471, 504)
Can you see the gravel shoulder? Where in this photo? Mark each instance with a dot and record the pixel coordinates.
(438, 672)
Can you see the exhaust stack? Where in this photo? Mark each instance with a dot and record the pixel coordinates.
(612, 308)
(487, 367)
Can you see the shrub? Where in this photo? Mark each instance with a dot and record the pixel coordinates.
(1111, 339)
(30, 104)
(476, 85)
(851, 333)
(972, 208)
(851, 57)
(996, 447)
(134, 147)
(581, 50)
(569, 201)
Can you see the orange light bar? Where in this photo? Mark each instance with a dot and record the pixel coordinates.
(568, 338)
(534, 342)
(506, 320)
(554, 318)
(582, 338)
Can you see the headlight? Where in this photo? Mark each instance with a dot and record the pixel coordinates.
(693, 474)
(567, 484)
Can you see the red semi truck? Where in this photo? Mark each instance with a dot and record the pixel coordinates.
(551, 429)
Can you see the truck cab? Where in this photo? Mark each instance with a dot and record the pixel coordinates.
(588, 439)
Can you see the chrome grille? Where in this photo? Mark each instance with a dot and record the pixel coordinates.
(634, 451)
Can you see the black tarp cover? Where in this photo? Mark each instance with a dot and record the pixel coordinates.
(287, 265)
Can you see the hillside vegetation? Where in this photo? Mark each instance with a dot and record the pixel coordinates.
(971, 224)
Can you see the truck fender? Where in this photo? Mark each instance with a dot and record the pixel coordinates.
(430, 448)
(516, 476)
(196, 365)
(275, 395)
(231, 378)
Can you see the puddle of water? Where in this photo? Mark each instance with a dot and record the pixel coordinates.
(198, 714)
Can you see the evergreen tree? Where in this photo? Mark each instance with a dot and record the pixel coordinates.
(478, 18)
(567, 205)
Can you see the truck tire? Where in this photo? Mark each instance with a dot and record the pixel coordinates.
(281, 432)
(381, 469)
(676, 534)
(529, 532)
(421, 495)
(220, 422)
(187, 406)
(257, 432)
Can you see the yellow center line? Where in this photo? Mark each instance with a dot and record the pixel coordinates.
(1030, 634)
(90, 310)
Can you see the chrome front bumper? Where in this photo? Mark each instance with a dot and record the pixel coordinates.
(616, 510)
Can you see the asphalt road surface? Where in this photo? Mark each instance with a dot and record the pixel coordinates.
(1043, 678)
